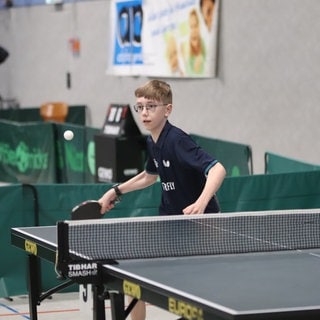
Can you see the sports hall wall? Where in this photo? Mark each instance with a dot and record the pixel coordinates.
(266, 93)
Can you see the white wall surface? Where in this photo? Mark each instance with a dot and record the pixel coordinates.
(266, 94)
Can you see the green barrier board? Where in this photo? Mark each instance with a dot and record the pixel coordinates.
(275, 163)
(27, 152)
(235, 157)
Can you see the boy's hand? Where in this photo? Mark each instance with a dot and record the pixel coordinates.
(107, 201)
(194, 208)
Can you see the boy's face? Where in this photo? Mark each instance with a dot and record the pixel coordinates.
(153, 114)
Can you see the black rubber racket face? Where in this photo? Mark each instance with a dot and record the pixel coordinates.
(86, 210)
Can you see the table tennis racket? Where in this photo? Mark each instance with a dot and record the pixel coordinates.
(89, 209)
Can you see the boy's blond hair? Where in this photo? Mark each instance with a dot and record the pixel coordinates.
(155, 90)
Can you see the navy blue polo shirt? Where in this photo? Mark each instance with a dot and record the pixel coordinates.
(182, 166)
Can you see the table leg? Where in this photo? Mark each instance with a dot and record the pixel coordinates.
(33, 285)
(99, 312)
(118, 311)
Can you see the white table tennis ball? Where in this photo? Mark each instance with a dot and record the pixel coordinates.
(68, 135)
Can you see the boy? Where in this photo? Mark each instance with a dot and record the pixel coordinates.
(189, 176)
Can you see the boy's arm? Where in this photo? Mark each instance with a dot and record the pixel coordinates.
(140, 181)
(214, 180)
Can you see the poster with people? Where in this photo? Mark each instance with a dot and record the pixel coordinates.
(167, 38)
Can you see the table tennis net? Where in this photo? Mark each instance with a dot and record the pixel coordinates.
(210, 234)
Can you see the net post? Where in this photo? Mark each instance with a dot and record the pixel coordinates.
(62, 255)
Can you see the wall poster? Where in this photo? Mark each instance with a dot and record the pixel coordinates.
(167, 38)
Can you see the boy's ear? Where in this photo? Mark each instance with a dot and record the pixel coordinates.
(168, 109)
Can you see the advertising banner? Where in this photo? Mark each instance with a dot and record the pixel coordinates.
(168, 38)
(27, 152)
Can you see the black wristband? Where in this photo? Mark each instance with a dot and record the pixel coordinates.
(117, 190)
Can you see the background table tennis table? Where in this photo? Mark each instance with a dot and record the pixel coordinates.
(268, 285)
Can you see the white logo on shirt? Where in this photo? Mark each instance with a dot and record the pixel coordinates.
(168, 186)
(156, 163)
(166, 163)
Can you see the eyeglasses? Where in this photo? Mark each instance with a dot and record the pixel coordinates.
(149, 107)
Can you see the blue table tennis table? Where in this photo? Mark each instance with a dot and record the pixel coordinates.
(262, 285)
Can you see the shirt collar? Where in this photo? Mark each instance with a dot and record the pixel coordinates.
(163, 134)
